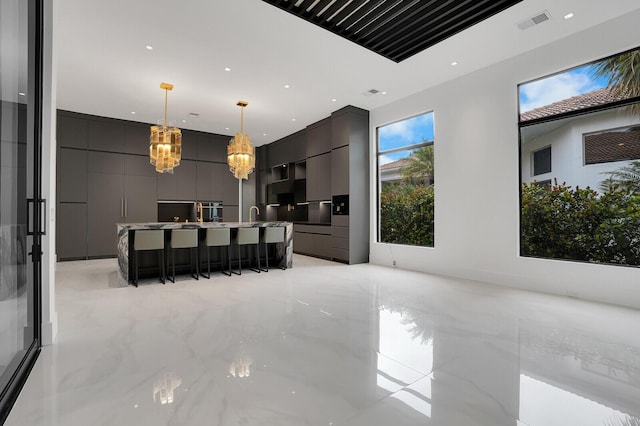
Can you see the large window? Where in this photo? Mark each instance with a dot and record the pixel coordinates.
(406, 181)
(588, 208)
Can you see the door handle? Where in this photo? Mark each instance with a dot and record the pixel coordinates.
(41, 205)
(121, 207)
(126, 207)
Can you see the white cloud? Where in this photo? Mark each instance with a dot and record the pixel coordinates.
(385, 159)
(556, 88)
(402, 129)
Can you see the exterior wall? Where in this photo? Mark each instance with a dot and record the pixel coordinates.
(567, 150)
(477, 161)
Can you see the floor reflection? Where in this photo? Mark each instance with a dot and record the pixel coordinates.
(571, 377)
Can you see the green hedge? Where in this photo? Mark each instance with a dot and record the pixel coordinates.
(564, 223)
(406, 215)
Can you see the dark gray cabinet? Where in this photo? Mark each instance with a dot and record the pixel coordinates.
(137, 138)
(105, 208)
(312, 240)
(106, 135)
(340, 171)
(212, 147)
(189, 144)
(229, 189)
(319, 138)
(72, 175)
(72, 130)
(319, 177)
(179, 186)
(71, 231)
(209, 181)
(121, 188)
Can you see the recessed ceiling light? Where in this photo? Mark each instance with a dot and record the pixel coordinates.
(454, 63)
(184, 121)
(293, 119)
(149, 47)
(133, 112)
(22, 94)
(226, 128)
(264, 134)
(569, 15)
(227, 69)
(334, 100)
(384, 93)
(286, 86)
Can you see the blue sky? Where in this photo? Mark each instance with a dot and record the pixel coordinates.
(403, 133)
(558, 87)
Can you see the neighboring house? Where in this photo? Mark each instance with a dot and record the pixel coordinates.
(392, 172)
(578, 151)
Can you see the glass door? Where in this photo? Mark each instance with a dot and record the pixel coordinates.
(20, 206)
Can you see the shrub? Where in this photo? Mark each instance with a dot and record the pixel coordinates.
(406, 215)
(579, 224)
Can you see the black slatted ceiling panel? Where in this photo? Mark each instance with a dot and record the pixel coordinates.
(395, 29)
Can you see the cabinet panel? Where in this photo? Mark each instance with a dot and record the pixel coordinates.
(319, 177)
(141, 202)
(72, 175)
(106, 135)
(136, 139)
(189, 145)
(229, 189)
(167, 185)
(105, 162)
(71, 231)
(186, 173)
(203, 181)
(340, 130)
(216, 183)
(212, 147)
(302, 243)
(319, 138)
(322, 246)
(105, 209)
(72, 131)
(340, 254)
(138, 165)
(340, 171)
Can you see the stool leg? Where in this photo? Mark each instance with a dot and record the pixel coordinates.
(135, 276)
(266, 255)
(208, 262)
(229, 261)
(162, 269)
(197, 264)
(173, 265)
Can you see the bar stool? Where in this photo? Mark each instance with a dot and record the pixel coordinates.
(272, 235)
(217, 237)
(181, 239)
(244, 237)
(148, 240)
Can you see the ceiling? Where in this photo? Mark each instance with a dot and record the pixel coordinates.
(104, 67)
(395, 29)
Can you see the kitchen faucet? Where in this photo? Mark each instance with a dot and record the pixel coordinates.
(250, 210)
(199, 211)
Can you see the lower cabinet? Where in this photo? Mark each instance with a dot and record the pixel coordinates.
(312, 240)
(340, 243)
(71, 231)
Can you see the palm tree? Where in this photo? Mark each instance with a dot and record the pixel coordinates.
(623, 74)
(626, 177)
(419, 167)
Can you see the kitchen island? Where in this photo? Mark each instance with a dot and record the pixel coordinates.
(284, 251)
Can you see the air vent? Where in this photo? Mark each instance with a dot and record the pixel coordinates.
(193, 115)
(534, 20)
(371, 92)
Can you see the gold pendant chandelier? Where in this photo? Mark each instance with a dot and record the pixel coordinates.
(165, 147)
(241, 154)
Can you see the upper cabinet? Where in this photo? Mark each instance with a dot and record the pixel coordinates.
(289, 149)
(106, 135)
(72, 130)
(319, 138)
(137, 138)
(211, 147)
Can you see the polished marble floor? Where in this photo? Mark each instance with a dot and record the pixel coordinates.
(329, 344)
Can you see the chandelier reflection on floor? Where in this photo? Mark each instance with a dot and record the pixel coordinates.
(165, 388)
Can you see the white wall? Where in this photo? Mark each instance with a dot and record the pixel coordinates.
(477, 168)
(567, 153)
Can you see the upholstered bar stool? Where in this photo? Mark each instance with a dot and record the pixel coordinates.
(148, 239)
(220, 238)
(244, 237)
(271, 235)
(182, 239)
